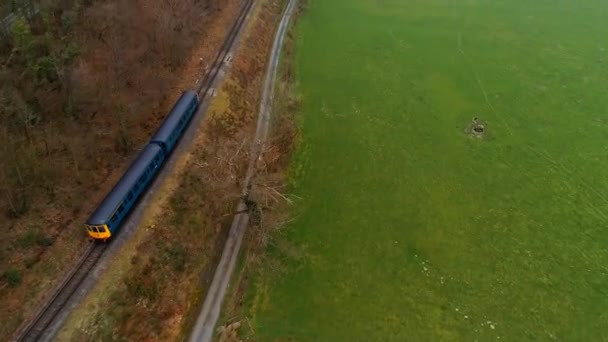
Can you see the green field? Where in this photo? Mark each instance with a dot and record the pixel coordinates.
(409, 228)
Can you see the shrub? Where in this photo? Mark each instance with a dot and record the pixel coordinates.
(28, 240)
(29, 262)
(12, 276)
(44, 240)
(176, 257)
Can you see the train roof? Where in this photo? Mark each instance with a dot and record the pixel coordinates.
(172, 119)
(106, 209)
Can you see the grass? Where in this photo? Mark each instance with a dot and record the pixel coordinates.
(411, 229)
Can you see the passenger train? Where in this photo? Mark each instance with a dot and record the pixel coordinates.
(115, 207)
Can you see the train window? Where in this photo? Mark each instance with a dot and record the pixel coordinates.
(113, 219)
(121, 208)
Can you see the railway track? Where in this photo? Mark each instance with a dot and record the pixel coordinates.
(206, 86)
(45, 316)
(36, 329)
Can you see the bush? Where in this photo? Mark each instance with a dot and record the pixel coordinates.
(44, 240)
(12, 277)
(28, 240)
(34, 237)
(44, 69)
(143, 286)
(176, 257)
(29, 262)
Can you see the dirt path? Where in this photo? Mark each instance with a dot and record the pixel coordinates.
(204, 327)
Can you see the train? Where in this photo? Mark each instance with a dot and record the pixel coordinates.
(107, 218)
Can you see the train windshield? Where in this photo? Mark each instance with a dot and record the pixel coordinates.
(96, 229)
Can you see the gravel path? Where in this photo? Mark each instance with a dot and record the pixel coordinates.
(204, 327)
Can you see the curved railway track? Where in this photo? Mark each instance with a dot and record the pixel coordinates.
(36, 329)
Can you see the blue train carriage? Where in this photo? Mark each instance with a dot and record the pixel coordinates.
(106, 219)
(176, 122)
(108, 216)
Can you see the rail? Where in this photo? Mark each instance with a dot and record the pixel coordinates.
(55, 304)
(205, 85)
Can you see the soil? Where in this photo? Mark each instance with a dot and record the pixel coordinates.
(477, 128)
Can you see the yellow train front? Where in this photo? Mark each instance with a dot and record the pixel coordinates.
(100, 232)
(106, 219)
(115, 207)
